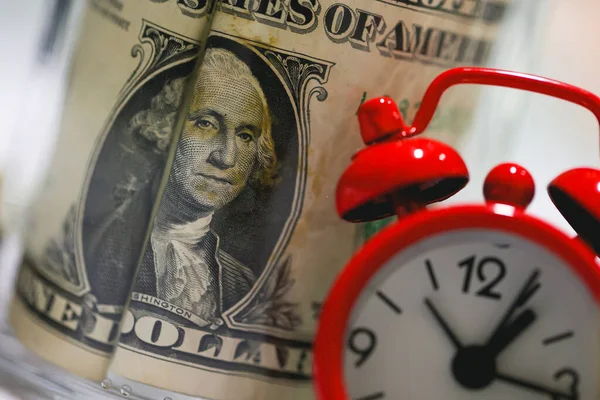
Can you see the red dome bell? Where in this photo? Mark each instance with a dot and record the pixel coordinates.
(510, 184)
(418, 170)
(379, 118)
(576, 194)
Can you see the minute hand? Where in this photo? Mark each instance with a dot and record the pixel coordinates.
(527, 291)
(555, 395)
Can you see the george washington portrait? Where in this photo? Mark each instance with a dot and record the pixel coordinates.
(225, 144)
(192, 216)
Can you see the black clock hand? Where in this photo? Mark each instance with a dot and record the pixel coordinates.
(442, 322)
(474, 366)
(531, 286)
(554, 395)
(507, 334)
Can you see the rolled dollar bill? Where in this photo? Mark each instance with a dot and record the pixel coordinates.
(127, 82)
(246, 241)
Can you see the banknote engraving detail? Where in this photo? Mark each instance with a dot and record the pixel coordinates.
(165, 48)
(269, 307)
(60, 254)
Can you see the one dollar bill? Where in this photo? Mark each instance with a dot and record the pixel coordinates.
(246, 241)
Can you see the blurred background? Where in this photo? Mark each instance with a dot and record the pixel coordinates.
(37, 38)
(548, 38)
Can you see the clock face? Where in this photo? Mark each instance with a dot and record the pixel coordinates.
(473, 314)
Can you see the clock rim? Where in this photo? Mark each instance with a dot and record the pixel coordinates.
(328, 346)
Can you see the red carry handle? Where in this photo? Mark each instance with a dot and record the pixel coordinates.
(497, 77)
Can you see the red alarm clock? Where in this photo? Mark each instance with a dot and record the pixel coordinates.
(464, 302)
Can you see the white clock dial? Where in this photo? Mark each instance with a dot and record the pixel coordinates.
(474, 314)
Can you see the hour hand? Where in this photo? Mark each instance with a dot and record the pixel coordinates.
(530, 287)
(510, 327)
(443, 324)
(507, 334)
